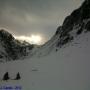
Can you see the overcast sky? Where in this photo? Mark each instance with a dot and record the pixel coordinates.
(26, 17)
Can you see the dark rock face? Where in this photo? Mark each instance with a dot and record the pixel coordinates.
(85, 9)
(87, 27)
(5, 35)
(14, 49)
(79, 17)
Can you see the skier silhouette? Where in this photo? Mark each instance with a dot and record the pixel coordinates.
(6, 76)
(17, 76)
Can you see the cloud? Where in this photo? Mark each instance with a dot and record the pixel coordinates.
(24, 17)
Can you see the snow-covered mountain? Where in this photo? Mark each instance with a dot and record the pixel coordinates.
(73, 25)
(68, 69)
(12, 49)
(60, 64)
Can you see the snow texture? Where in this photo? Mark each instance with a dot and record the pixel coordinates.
(67, 69)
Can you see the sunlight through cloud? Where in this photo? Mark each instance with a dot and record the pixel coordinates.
(33, 39)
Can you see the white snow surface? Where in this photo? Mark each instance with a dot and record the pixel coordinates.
(66, 69)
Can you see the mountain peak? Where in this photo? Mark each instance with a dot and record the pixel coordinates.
(5, 35)
(4, 31)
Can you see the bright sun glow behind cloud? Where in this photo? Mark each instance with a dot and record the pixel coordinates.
(33, 39)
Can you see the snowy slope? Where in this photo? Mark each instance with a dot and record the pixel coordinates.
(68, 69)
(46, 49)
